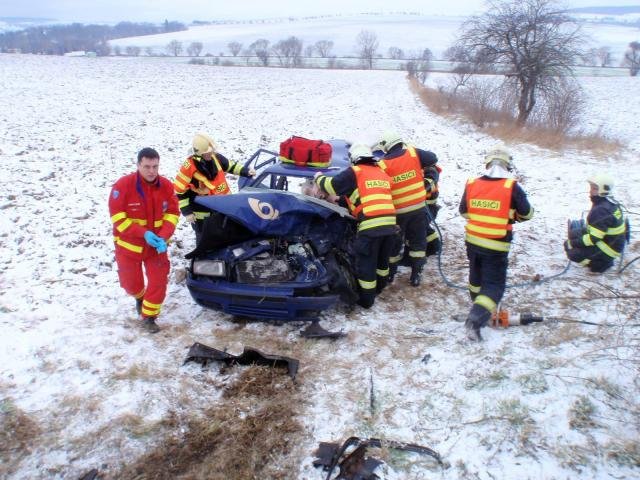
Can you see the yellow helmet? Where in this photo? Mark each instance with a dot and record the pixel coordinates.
(203, 143)
(389, 139)
(603, 181)
(358, 152)
(499, 154)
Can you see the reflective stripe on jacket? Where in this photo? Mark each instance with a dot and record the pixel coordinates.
(371, 202)
(407, 180)
(136, 206)
(190, 177)
(489, 213)
(606, 228)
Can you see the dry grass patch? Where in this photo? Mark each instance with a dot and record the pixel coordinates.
(17, 433)
(500, 125)
(558, 334)
(624, 453)
(137, 371)
(581, 414)
(247, 436)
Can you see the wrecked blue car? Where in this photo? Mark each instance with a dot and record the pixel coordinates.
(273, 251)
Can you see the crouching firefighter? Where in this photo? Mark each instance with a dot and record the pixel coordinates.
(491, 203)
(203, 173)
(367, 191)
(144, 212)
(602, 239)
(406, 166)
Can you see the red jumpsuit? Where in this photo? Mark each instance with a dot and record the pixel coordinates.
(136, 207)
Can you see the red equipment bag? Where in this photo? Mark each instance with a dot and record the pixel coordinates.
(304, 152)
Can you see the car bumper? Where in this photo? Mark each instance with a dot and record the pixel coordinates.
(259, 302)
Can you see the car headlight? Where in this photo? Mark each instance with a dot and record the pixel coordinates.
(211, 268)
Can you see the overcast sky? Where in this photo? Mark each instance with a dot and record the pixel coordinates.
(188, 10)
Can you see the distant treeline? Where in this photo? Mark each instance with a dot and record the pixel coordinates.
(60, 39)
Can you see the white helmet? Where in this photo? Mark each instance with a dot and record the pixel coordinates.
(498, 154)
(203, 143)
(389, 139)
(603, 181)
(358, 152)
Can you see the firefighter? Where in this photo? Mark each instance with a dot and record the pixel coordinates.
(491, 204)
(366, 189)
(414, 176)
(203, 173)
(144, 212)
(601, 240)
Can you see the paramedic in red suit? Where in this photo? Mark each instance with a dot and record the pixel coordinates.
(144, 212)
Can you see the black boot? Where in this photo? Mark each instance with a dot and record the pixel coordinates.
(139, 306)
(416, 273)
(150, 325)
(393, 269)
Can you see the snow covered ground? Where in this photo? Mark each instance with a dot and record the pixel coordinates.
(549, 401)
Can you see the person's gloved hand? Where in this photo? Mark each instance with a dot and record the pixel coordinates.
(316, 175)
(162, 245)
(152, 239)
(252, 172)
(567, 245)
(191, 218)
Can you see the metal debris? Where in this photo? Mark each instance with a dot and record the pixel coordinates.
(314, 330)
(354, 466)
(203, 354)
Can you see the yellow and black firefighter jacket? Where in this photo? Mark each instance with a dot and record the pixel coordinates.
(606, 228)
(198, 176)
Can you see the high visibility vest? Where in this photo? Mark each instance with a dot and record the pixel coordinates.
(407, 180)
(371, 202)
(489, 213)
(189, 172)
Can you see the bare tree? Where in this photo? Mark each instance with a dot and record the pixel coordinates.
(117, 50)
(395, 53)
(194, 49)
(148, 51)
(235, 48)
(289, 52)
(309, 50)
(132, 50)
(174, 47)
(420, 64)
(604, 56)
(632, 58)
(533, 40)
(260, 48)
(366, 47)
(323, 47)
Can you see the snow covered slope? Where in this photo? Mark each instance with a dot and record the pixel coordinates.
(553, 400)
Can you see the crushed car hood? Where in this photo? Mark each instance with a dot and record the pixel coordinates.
(272, 212)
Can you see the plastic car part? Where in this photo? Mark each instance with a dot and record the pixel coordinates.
(354, 466)
(204, 354)
(314, 330)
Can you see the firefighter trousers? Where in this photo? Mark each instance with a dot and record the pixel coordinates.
(132, 279)
(372, 266)
(413, 235)
(487, 280)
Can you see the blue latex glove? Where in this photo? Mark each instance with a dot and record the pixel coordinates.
(162, 246)
(152, 239)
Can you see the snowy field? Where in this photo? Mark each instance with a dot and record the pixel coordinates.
(409, 32)
(90, 389)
